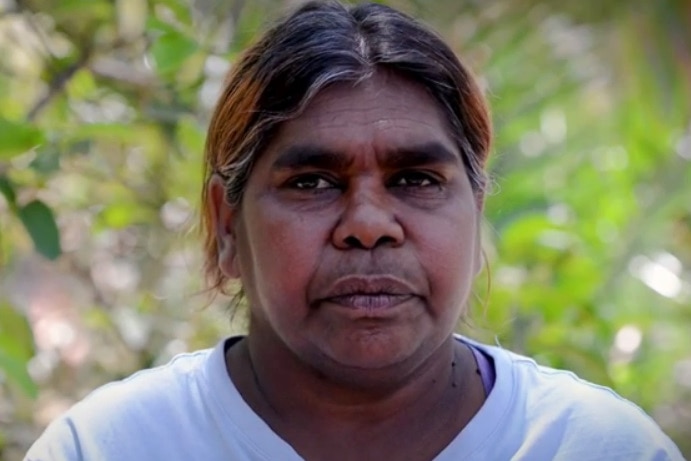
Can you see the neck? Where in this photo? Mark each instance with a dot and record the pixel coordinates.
(291, 390)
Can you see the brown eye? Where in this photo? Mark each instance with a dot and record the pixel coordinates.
(415, 179)
(310, 182)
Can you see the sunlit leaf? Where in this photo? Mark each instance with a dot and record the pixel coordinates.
(16, 348)
(17, 138)
(82, 85)
(170, 51)
(16, 371)
(15, 333)
(122, 214)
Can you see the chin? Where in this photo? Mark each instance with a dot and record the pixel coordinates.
(371, 350)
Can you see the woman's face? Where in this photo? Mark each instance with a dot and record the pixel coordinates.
(357, 237)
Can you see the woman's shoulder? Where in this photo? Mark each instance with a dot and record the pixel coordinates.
(584, 417)
(156, 384)
(549, 389)
(144, 405)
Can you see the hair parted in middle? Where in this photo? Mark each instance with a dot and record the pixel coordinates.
(320, 44)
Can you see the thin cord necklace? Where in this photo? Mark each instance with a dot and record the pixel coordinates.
(262, 394)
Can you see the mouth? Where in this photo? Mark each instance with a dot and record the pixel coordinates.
(366, 301)
(369, 293)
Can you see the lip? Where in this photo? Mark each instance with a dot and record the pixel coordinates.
(374, 292)
(369, 302)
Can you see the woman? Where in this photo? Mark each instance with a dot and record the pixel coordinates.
(344, 190)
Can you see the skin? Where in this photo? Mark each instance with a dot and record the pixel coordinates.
(356, 243)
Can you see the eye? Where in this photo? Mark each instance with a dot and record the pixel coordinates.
(310, 182)
(415, 179)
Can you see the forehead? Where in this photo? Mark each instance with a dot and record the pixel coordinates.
(381, 113)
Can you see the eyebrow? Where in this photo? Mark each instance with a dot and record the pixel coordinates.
(430, 153)
(310, 156)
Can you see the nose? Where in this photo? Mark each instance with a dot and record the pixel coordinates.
(367, 221)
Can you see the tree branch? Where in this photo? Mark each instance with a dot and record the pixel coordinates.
(57, 85)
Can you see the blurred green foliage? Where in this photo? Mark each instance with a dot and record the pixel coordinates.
(103, 106)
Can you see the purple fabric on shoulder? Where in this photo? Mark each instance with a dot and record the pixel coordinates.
(485, 368)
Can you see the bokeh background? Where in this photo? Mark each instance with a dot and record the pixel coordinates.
(103, 108)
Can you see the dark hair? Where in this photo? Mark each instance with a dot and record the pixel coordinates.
(322, 43)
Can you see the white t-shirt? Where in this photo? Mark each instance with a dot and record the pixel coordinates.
(189, 409)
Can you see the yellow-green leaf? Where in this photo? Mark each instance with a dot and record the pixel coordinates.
(17, 138)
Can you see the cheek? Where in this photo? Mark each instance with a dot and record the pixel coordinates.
(449, 258)
(282, 252)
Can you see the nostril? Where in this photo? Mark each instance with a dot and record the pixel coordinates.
(353, 242)
(385, 240)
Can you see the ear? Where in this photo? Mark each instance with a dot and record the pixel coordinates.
(223, 218)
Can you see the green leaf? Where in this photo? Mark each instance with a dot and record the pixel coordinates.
(158, 26)
(7, 189)
(39, 221)
(170, 51)
(16, 371)
(81, 16)
(16, 338)
(47, 160)
(181, 10)
(82, 85)
(252, 18)
(17, 138)
(16, 349)
(123, 214)
(116, 132)
(189, 135)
